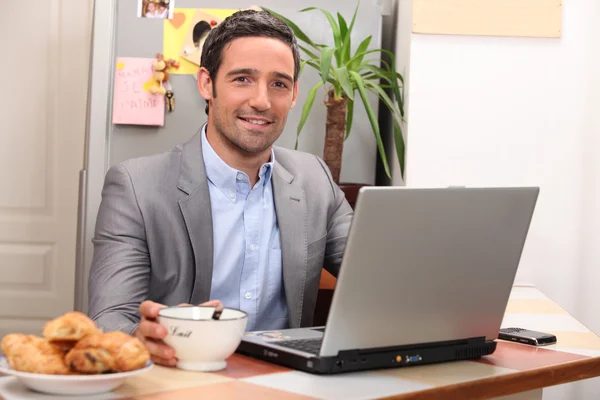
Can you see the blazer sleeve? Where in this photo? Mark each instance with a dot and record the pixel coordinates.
(120, 270)
(338, 225)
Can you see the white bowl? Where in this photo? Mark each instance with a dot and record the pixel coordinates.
(200, 342)
(71, 384)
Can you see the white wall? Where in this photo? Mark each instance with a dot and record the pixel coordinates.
(521, 111)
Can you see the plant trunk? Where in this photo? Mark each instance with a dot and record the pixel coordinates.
(335, 130)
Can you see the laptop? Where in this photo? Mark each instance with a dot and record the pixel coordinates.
(425, 278)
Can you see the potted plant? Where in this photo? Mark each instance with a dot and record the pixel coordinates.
(348, 78)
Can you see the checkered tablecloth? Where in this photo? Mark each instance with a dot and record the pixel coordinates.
(510, 366)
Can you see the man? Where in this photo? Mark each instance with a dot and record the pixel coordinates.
(226, 216)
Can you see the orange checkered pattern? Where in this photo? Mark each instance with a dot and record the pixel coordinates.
(513, 367)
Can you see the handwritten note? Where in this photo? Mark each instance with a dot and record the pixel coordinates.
(133, 103)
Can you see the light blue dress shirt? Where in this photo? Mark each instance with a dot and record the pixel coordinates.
(247, 272)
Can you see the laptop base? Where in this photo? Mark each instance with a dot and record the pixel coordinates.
(369, 359)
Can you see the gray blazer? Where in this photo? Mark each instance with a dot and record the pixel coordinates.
(154, 237)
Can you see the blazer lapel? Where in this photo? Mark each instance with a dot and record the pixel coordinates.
(290, 207)
(197, 214)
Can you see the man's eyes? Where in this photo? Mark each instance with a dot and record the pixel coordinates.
(244, 79)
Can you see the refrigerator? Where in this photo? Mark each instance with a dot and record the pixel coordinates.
(119, 32)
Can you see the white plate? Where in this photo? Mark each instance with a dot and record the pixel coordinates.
(71, 384)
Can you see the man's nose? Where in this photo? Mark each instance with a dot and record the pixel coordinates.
(260, 99)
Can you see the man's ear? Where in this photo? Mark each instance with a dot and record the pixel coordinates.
(205, 86)
(295, 95)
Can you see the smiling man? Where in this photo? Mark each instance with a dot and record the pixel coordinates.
(226, 217)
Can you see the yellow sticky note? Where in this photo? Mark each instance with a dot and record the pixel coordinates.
(120, 65)
(175, 30)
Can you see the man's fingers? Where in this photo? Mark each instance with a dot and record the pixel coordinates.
(212, 303)
(151, 329)
(170, 362)
(159, 349)
(150, 309)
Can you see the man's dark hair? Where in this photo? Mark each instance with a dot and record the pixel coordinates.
(245, 23)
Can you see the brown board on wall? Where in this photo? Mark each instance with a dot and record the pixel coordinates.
(528, 18)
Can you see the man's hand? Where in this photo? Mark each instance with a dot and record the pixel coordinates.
(151, 333)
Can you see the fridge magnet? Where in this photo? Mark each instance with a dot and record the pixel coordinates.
(201, 25)
(158, 9)
(170, 100)
(133, 103)
(161, 73)
(178, 32)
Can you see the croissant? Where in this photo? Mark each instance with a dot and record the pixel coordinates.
(111, 351)
(29, 353)
(66, 330)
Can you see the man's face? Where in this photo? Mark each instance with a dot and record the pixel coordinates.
(254, 90)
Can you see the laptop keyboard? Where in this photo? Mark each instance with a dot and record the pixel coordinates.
(311, 346)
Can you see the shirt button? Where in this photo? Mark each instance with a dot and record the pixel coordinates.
(252, 247)
(231, 195)
(240, 176)
(248, 295)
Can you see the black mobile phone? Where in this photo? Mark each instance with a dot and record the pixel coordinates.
(526, 336)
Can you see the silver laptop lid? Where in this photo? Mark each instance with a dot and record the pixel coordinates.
(427, 265)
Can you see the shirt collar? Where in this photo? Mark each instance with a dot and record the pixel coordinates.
(225, 177)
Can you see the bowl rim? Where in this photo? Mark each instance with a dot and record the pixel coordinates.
(207, 320)
(6, 368)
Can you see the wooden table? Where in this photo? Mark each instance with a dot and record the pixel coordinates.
(514, 371)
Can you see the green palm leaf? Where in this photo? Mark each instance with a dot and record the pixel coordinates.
(377, 90)
(343, 25)
(308, 52)
(314, 64)
(349, 117)
(392, 77)
(362, 47)
(302, 65)
(344, 78)
(396, 113)
(372, 119)
(306, 109)
(358, 57)
(398, 138)
(400, 147)
(334, 26)
(317, 67)
(326, 55)
(345, 52)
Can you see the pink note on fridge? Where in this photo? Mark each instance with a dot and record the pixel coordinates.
(133, 103)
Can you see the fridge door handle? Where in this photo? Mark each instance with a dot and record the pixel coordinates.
(80, 246)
